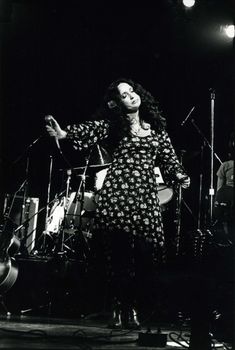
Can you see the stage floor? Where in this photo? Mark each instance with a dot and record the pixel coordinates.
(27, 332)
(31, 332)
(55, 305)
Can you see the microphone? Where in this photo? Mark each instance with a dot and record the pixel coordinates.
(49, 121)
(187, 117)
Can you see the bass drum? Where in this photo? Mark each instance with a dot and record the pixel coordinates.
(76, 215)
(165, 193)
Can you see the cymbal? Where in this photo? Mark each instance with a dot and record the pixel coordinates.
(95, 166)
(99, 159)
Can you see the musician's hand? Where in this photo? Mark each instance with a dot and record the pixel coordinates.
(184, 181)
(54, 129)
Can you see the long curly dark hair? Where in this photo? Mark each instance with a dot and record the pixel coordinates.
(120, 125)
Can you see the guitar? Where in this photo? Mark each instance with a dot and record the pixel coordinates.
(9, 246)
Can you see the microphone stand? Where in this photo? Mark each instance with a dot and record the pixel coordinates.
(201, 312)
(24, 186)
(212, 154)
(206, 141)
(47, 202)
(199, 237)
(178, 210)
(23, 236)
(211, 190)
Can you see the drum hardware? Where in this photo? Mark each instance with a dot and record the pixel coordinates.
(75, 210)
(48, 200)
(64, 224)
(76, 221)
(69, 173)
(80, 205)
(96, 167)
(22, 230)
(99, 159)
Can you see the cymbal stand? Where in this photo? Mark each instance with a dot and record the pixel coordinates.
(79, 199)
(47, 202)
(79, 196)
(211, 190)
(178, 210)
(65, 203)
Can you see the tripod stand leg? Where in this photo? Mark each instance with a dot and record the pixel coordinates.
(37, 308)
(3, 305)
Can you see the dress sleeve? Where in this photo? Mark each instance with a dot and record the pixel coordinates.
(221, 171)
(168, 160)
(87, 134)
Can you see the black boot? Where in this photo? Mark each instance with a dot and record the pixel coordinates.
(116, 320)
(131, 319)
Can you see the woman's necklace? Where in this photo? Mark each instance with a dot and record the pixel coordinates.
(140, 129)
(136, 127)
(136, 130)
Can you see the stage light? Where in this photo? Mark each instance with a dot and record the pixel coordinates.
(189, 3)
(230, 31)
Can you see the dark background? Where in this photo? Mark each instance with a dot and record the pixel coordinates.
(58, 58)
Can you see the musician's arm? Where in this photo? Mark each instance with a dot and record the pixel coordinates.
(220, 183)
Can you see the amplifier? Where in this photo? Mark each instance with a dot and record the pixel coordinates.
(23, 213)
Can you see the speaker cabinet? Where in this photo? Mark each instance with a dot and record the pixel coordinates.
(23, 212)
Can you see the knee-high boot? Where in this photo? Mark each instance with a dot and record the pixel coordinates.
(129, 317)
(132, 319)
(116, 319)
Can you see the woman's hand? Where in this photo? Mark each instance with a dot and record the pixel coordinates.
(183, 180)
(54, 129)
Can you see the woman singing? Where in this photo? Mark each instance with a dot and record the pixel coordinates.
(128, 214)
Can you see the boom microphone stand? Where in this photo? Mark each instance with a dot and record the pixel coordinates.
(211, 190)
(24, 186)
(47, 201)
(178, 210)
(213, 154)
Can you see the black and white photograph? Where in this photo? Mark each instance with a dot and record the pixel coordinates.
(117, 174)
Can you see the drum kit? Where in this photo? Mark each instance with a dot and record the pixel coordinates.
(71, 214)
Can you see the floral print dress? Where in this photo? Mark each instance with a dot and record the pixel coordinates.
(128, 199)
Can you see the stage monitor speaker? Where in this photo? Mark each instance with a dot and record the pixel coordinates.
(20, 213)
